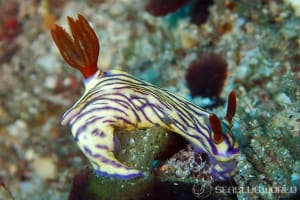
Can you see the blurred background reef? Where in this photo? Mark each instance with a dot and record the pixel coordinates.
(199, 49)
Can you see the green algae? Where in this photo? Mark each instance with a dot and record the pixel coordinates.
(105, 188)
(136, 149)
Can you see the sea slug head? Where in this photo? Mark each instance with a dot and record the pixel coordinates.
(224, 147)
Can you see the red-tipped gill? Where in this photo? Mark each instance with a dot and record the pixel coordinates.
(80, 49)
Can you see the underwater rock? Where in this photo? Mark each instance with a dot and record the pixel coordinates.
(45, 168)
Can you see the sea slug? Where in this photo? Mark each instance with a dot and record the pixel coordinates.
(116, 99)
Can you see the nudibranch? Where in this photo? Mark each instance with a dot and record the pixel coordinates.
(116, 99)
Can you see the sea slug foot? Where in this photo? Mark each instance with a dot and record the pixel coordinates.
(130, 174)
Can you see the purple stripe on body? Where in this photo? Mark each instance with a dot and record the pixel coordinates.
(141, 110)
(182, 128)
(201, 132)
(146, 117)
(111, 162)
(229, 153)
(140, 99)
(235, 151)
(199, 139)
(198, 111)
(213, 147)
(65, 115)
(226, 139)
(85, 125)
(164, 103)
(78, 132)
(127, 102)
(183, 120)
(124, 120)
(163, 119)
(96, 132)
(179, 126)
(109, 121)
(132, 106)
(188, 104)
(228, 169)
(119, 176)
(88, 151)
(105, 108)
(201, 148)
(205, 128)
(98, 101)
(68, 112)
(100, 146)
(101, 157)
(180, 107)
(119, 76)
(198, 149)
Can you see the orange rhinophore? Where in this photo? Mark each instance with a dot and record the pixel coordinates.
(80, 50)
(231, 107)
(216, 127)
(215, 122)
